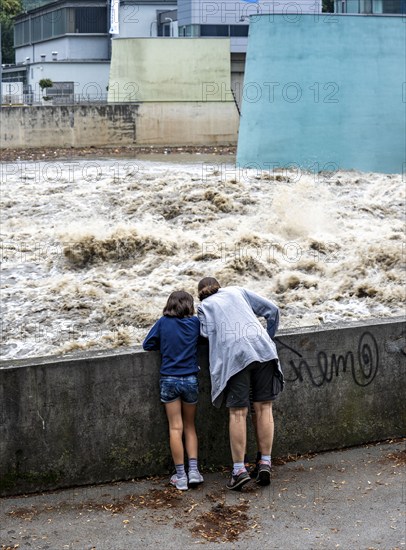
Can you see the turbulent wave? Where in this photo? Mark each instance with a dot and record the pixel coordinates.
(91, 250)
(121, 243)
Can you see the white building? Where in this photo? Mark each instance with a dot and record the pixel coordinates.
(69, 41)
(388, 7)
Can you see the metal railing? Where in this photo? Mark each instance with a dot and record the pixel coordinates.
(30, 98)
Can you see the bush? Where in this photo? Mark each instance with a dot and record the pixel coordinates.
(45, 83)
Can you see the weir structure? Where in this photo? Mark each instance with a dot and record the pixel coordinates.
(96, 417)
(325, 92)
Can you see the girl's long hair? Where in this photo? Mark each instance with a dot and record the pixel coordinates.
(207, 287)
(180, 304)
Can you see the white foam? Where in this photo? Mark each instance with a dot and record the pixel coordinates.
(323, 248)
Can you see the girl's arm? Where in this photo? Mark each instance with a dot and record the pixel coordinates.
(152, 340)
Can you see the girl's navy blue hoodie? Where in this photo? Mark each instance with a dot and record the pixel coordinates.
(177, 341)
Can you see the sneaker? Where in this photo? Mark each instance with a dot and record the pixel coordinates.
(237, 481)
(179, 482)
(264, 473)
(195, 478)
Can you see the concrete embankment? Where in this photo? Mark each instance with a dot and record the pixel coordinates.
(96, 417)
(168, 124)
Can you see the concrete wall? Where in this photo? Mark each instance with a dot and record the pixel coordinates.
(164, 69)
(325, 92)
(95, 418)
(191, 123)
(65, 126)
(211, 123)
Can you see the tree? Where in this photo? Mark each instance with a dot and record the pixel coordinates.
(8, 9)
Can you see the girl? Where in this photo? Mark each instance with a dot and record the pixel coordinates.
(176, 335)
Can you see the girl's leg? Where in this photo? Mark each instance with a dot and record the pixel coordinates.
(174, 414)
(188, 414)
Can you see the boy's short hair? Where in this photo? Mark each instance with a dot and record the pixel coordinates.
(207, 287)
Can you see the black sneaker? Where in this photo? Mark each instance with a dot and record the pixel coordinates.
(254, 470)
(264, 473)
(239, 480)
(246, 463)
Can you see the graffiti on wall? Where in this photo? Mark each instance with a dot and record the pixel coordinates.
(362, 365)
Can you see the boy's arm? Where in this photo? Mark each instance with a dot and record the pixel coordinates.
(152, 340)
(264, 308)
(202, 319)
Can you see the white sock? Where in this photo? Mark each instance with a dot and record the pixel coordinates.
(237, 466)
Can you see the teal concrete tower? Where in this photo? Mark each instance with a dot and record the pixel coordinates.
(325, 92)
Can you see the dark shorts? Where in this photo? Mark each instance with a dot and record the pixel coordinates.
(258, 378)
(185, 388)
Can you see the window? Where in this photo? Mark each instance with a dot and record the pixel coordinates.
(91, 20)
(352, 6)
(238, 30)
(214, 30)
(191, 30)
(59, 22)
(61, 92)
(22, 33)
(47, 25)
(36, 32)
(394, 6)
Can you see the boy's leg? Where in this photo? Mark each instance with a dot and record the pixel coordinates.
(254, 471)
(174, 414)
(265, 388)
(254, 423)
(238, 432)
(237, 401)
(265, 426)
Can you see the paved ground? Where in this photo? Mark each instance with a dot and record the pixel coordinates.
(351, 499)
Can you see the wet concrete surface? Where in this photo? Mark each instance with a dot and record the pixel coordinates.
(349, 499)
(10, 154)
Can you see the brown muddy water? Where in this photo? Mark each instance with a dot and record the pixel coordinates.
(91, 248)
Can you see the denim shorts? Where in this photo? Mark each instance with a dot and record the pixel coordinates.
(185, 388)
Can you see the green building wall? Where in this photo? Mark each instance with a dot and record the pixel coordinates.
(162, 69)
(325, 92)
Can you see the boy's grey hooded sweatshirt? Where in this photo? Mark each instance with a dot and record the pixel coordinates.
(229, 320)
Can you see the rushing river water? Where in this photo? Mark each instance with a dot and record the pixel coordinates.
(91, 249)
